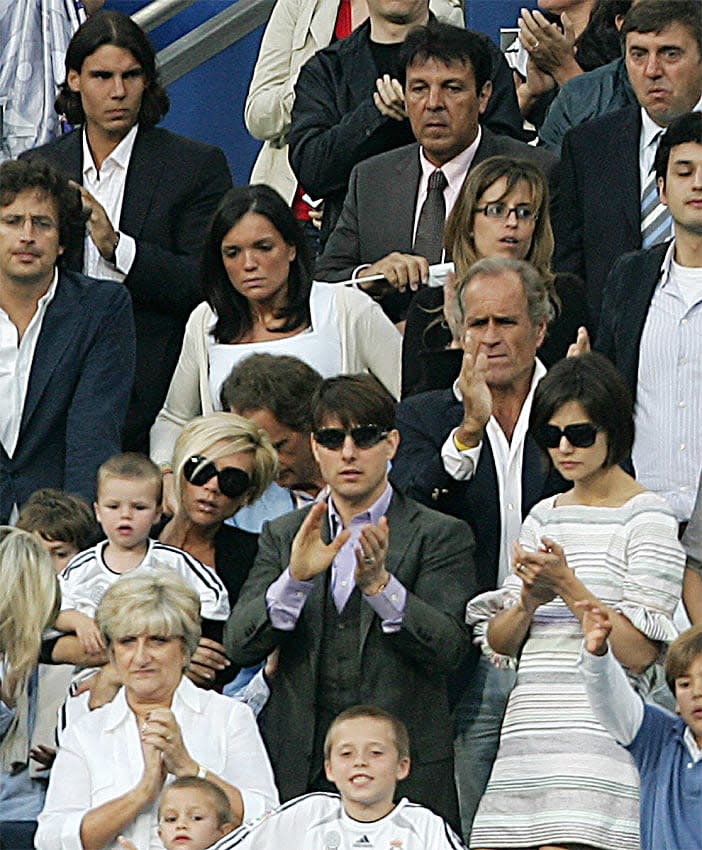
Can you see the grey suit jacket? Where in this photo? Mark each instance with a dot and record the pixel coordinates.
(404, 672)
(378, 213)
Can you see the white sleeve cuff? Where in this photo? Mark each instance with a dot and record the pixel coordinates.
(460, 465)
(125, 253)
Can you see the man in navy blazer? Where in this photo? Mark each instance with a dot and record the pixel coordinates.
(467, 452)
(597, 215)
(66, 346)
(151, 194)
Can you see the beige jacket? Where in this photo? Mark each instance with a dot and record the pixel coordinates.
(296, 30)
(369, 343)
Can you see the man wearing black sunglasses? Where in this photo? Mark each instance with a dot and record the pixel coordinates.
(364, 594)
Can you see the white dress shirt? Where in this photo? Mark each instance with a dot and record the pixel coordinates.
(101, 758)
(508, 457)
(16, 358)
(667, 451)
(107, 187)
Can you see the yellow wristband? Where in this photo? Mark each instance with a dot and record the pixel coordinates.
(462, 447)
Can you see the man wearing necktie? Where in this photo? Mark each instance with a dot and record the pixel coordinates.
(607, 202)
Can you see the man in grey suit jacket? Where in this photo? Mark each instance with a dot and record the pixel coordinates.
(447, 90)
(364, 594)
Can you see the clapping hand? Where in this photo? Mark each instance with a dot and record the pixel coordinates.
(309, 554)
(596, 625)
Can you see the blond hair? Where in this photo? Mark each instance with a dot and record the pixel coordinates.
(29, 601)
(158, 603)
(131, 466)
(231, 434)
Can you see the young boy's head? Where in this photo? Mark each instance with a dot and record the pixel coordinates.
(193, 813)
(64, 524)
(683, 673)
(129, 492)
(366, 753)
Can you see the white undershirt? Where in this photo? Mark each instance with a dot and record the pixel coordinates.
(107, 187)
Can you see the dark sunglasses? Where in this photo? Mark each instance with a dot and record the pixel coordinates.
(582, 435)
(364, 436)
(233, 482)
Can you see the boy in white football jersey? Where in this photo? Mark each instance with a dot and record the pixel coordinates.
(366, 753)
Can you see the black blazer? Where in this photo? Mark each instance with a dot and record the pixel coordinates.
(173, 186)
(79, 385)
(627, 297)
(424, 422)
(597, 213)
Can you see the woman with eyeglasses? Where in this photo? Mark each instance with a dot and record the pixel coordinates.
(501, 211)
(559, 779)
(221, 463)
(257, 281)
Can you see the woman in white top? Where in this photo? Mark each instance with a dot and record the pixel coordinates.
(257, 282)
(113, 762)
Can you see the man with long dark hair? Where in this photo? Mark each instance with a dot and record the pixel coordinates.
(150, 194)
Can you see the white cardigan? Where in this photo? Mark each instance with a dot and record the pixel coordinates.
(369, 343)
(296, 30)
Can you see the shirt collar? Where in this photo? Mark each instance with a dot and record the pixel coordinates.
(372, 515)
(456, 168)
(667, 264)
(120, 155)
(118, 711)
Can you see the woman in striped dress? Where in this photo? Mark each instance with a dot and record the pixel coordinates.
(559, 779)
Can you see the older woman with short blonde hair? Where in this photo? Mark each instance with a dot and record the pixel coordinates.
(114, 762)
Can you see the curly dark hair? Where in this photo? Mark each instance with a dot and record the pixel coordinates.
(233, 312)
(18, 175)
(119, 30)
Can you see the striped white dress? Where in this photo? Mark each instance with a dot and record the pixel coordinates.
(559, 777)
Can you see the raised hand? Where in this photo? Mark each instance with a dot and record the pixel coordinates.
(596, 625)
(370, 557)
(309, 554)
(389, 97)
(477, 398)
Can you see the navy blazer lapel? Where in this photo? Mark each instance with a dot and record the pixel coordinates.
(55, 337)
(620, 150)
(143, 181)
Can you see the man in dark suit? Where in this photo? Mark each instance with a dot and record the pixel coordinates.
(66, 346)
(447, 90)
(364, 594)
(349, 103)
(651, 327)
(606, 163)
(467, 452)
(150, 193)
